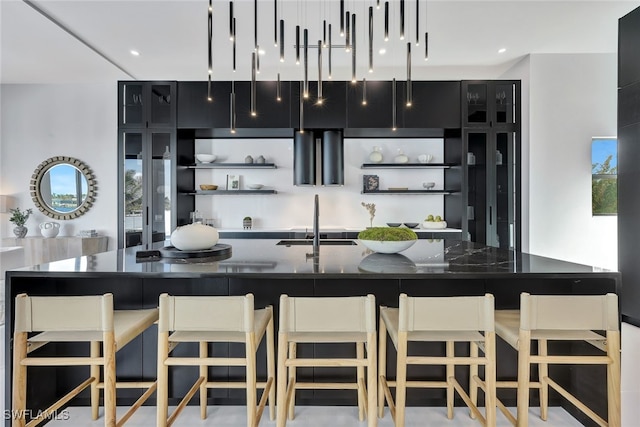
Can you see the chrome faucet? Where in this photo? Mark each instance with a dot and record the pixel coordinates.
(316, 230)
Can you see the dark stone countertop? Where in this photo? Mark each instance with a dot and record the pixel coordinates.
(263, 258)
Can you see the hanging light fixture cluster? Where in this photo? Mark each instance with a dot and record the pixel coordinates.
(348, 25)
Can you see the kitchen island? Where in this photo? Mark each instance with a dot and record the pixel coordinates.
(268, 269)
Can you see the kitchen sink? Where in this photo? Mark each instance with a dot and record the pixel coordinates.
(309, 242)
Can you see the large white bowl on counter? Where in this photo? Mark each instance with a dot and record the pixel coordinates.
(386, 246)
(194, 237)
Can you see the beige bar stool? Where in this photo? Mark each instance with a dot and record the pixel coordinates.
(544, 318)
(327, 320)
(439, 319)
(77, 319)
(214, 319)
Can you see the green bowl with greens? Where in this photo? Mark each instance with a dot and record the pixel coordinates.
(387, 240)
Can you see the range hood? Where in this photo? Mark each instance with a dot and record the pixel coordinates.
(318, 151)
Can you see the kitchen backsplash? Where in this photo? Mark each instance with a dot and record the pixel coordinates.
(340, 207)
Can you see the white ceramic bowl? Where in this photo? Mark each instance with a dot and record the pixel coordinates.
(434, 224)
(425, 158)
(428, 185)
(255, 186)
(206, 158)
(387, 247)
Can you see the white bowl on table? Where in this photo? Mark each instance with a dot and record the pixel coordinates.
(206, 158)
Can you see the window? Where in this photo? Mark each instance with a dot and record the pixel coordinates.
(604, 176)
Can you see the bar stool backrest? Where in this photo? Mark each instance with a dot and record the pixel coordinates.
(206, 313)
(446, 313)
(56, 314)
(328, 314)
(569, 312)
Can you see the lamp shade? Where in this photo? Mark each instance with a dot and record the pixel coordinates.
(304, 158)
(332, 157)
(6, 203)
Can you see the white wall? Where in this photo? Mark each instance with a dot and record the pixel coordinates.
(572, 98)
(76, 120)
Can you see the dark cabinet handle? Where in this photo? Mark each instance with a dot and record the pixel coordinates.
(490, 215)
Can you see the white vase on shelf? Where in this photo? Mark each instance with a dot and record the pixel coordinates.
(376, 155)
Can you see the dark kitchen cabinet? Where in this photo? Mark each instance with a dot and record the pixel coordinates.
(491, 154)
(490, 103)
(377, 113)
(270, 113)
(434, 105)
(628, 42)
(147, 104)
(330, 114)
(195, 111)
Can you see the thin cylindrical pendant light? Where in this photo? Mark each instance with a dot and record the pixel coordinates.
(341, 18)
(417, 22)
(409, 86)
(282, 40)
(353, 48)
(320, 100)
(371, 39)
(377, 4)
(231, 36)
(330, 47)
(401, 19)
(386, 21)
(233, 107)
(426, 46)
(253, 84)
(275, 23)
(347, 45)
(393, 106)
(364, 91)
(297, 44)
(306, 63)
(234, 44)
(301, 107)
(255, 25)
(258, 59)
(278, 89)
(324, 33)
(210, 54)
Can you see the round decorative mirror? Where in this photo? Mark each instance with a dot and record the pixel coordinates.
(63, 187)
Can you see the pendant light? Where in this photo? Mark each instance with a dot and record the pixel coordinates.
(347, 46)
(401, 19)
(353, 48)
(278, 89)
(253, 84)
(233, 107)
(371, 39)
(377, 4)
(330, 48)
(231, 36)
(301, 107)
(297, 44)
(320, 100)
(275, 23)
(306, 63)
(386, 21)
(417, 22)
(210, 54)
(426, 46)
(324, 33)
(393, 106)
(341, 18)
(255, 25)
(364, 91)
(282, 40)
(234, 44)
(409, 85)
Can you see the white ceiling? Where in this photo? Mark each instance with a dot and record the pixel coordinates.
(172, 37)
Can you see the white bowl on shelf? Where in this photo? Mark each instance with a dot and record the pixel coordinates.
(434, 225)
(386, 246)
(255, 186)
(206, 158)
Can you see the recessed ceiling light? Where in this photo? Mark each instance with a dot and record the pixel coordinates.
(382, 51)
(134, 52)
(502, 50)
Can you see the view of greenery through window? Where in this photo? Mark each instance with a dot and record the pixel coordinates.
(604, 176)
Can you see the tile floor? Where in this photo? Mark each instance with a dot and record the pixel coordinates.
(234, 416)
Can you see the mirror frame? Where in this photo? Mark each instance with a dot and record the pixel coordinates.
(43, 168)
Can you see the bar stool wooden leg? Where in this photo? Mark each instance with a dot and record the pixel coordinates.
(109, 350)
(450, 374)
(360, 380)
(524, 356)
(372, 351)
(543, 372)
(162, 410)
(401, 379)
(293, 350)
(281, 410)
(382, 365)
(271, 368)
(95, 373)
(19, 378)
(613, 379)
(490, 400)
(473, 372)
(252, 401)
(204, 371)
